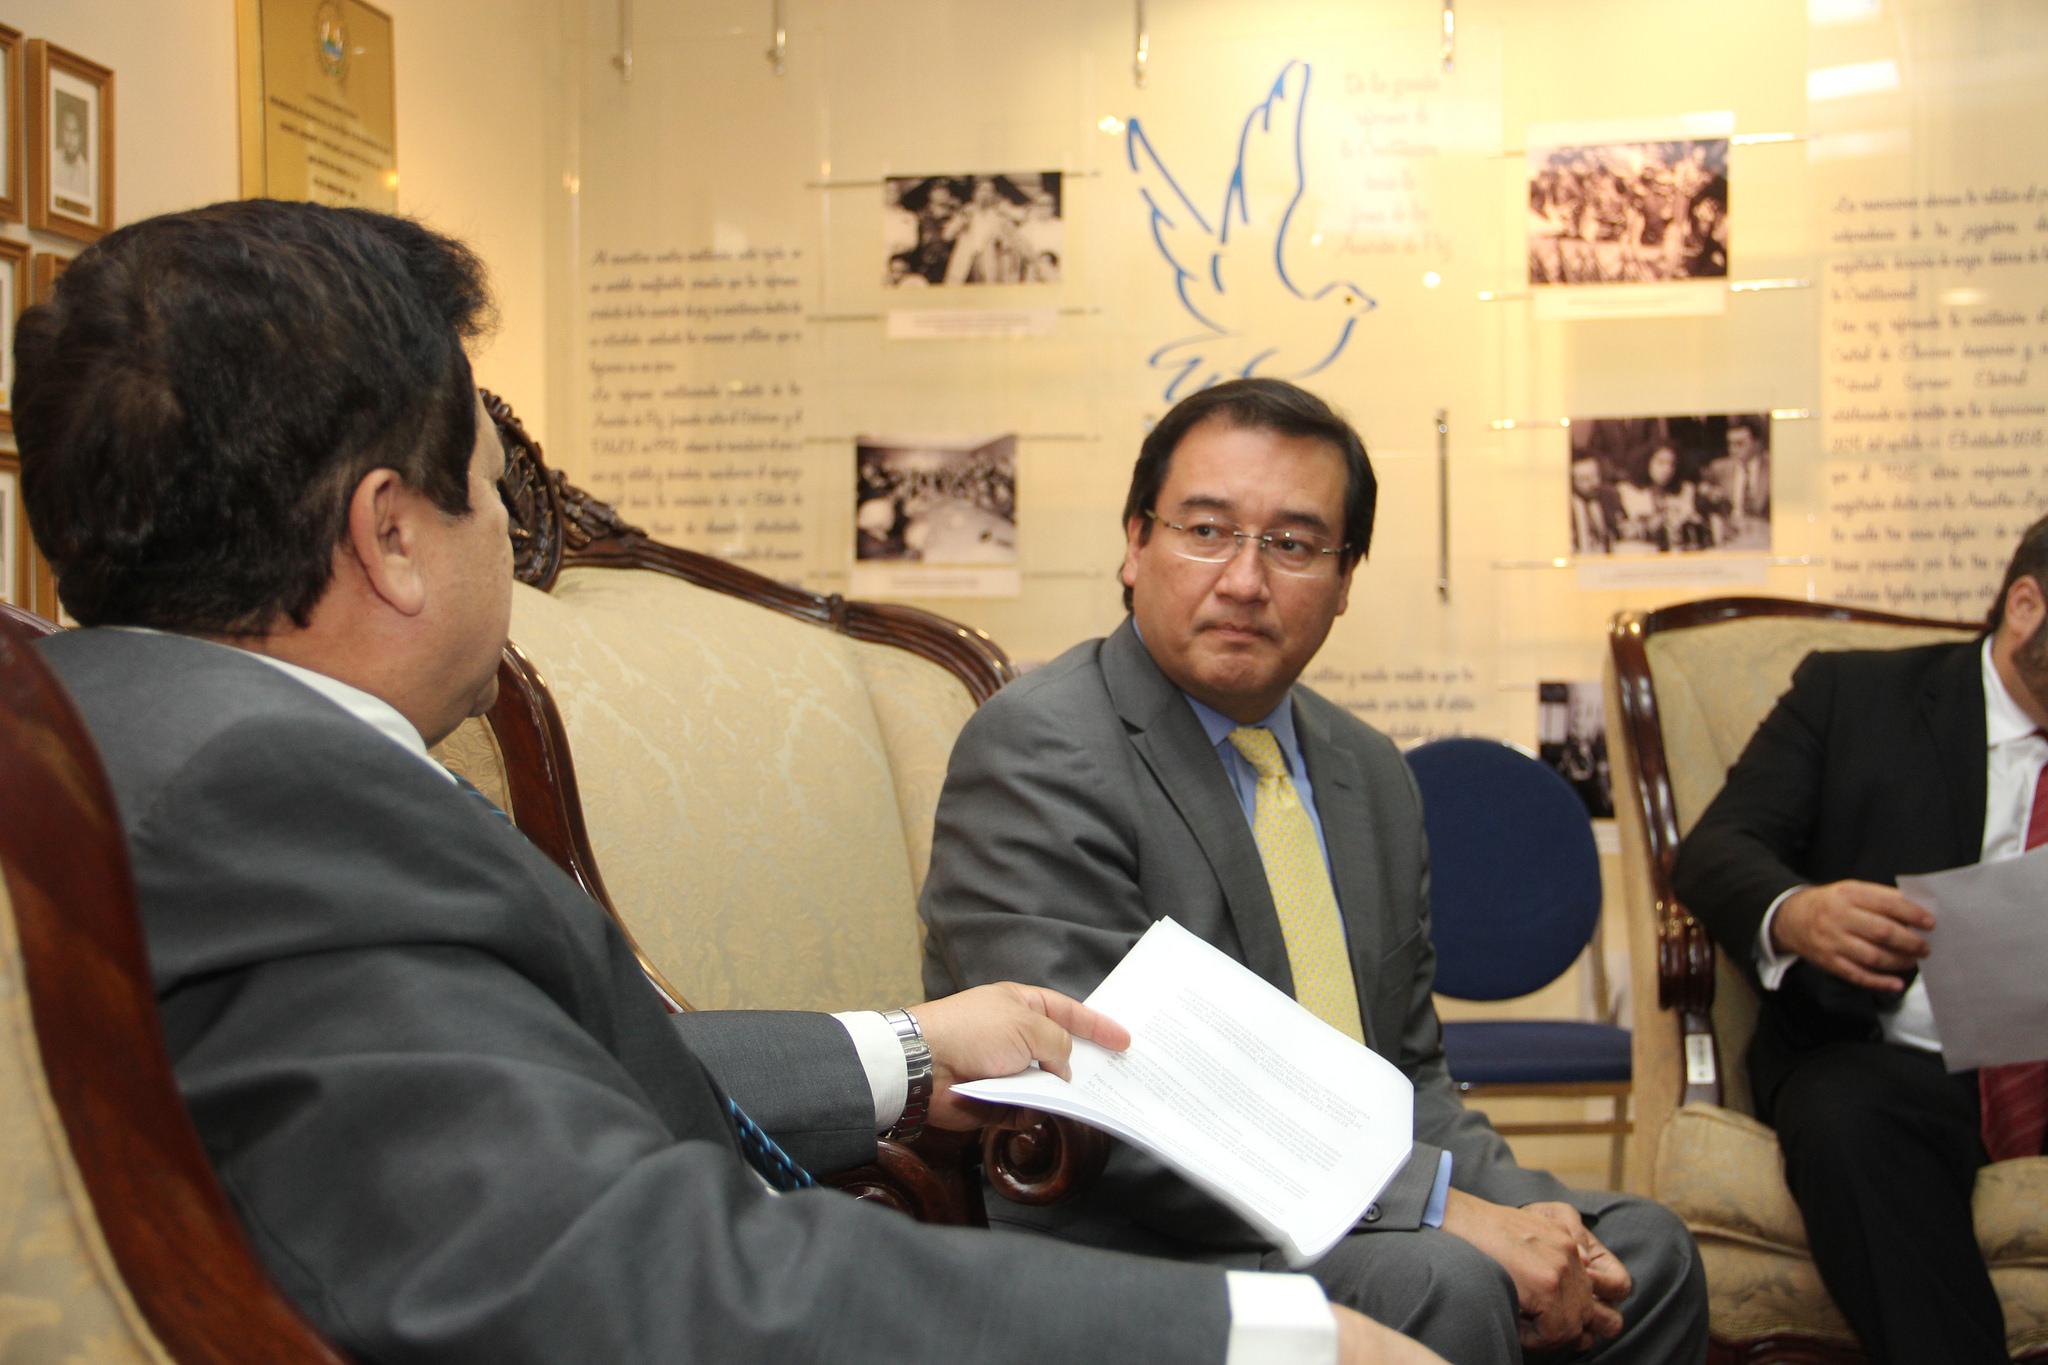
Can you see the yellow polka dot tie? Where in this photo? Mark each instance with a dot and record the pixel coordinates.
(1300, 881)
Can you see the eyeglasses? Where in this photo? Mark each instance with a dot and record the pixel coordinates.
(1211, 541)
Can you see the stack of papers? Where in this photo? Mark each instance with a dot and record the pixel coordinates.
(1233, 1084)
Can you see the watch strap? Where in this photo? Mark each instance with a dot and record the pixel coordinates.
(917, 1064)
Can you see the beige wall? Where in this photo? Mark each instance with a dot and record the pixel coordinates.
(473, 133)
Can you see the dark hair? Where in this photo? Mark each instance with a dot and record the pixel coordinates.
(1642, 477)
(200, 399)
(2030, 560)
(1755, 426)
(1257, 405)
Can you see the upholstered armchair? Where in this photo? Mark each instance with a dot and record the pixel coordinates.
(116, 1243)
(1686, 686)
(754, 774)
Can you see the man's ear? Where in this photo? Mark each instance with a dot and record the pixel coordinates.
(1134, 530)
(2025, 605)
(383, 537)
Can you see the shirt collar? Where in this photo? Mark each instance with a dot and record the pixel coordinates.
(2003, 719)
(1280, 720)
(373, 711)
(1217, 726)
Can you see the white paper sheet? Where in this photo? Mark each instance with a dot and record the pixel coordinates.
(1987, 963)
(1235, 1085)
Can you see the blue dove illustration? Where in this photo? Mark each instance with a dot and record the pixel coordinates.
(1233, 278)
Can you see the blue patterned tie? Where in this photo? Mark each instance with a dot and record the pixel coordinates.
(776, 1166)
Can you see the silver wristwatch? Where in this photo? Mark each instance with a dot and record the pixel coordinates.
(917, 1064)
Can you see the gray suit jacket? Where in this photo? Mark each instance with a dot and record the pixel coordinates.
(1084, 801)
(458, 1124)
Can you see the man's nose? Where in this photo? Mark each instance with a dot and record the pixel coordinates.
(1244, 575)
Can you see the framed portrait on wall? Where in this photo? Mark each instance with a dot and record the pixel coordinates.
(25, 577)
(13, 284)
(70, 143)
(44, 268)
(14, 570)
(10, 124)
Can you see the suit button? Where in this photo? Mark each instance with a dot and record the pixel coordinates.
(1372, 1213)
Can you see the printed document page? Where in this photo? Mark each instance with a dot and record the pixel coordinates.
(1235, 1085)
(1984, 959)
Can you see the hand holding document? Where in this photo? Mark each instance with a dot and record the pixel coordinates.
(1984, 966)
(1229, 1081)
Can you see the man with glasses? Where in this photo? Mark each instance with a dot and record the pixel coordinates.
(1177, 768)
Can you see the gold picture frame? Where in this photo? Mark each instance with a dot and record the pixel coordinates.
(14, 572)
(70, 143)
(11, 106)
(25, 577)
(44, 268)
(14, 284)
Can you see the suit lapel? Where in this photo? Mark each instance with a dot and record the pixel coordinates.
(1952, 706)
(1354, 850)
(1169, 739)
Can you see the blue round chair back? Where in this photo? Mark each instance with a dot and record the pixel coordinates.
(1514, 877)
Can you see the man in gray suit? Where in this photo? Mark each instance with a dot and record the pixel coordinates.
(452, 1115)
(1176, 768)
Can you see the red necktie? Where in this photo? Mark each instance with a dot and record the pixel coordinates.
(2013, 1098)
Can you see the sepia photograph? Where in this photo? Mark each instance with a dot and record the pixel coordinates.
(936, 503)
(1571, 736)
(70, 143)
(1665, 485)
(1005, 228)
(1629, 212)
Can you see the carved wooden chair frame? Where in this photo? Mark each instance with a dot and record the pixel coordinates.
(178, 1245)
(556, 525)
(1685, 952)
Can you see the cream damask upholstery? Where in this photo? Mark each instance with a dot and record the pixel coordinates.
(758, 790)
(62, 1301)
(1716, 1166)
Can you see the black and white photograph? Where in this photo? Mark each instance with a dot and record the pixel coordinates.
(950, 503)
(1571, 736)
(1629, 212)
(1004, 228)
(1670, 485)
(70, 143)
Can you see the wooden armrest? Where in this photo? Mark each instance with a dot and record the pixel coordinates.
(1685, 983)
(931, 1182)
(1685, 958)
(1044, 1162)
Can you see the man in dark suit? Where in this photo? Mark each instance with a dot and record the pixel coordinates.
(1877, 764)
(453, 1117)
(1596, 510)
(1177, 768)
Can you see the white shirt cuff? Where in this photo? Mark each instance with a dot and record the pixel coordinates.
(1771, 965)
(1278, 1320)
(881, 1054)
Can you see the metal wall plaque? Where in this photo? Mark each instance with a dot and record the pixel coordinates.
(319, 118)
